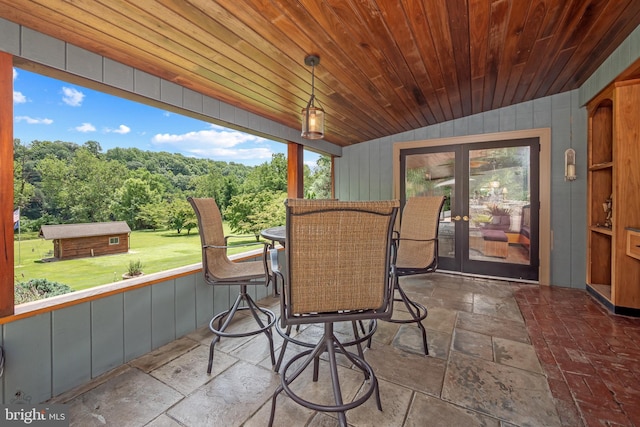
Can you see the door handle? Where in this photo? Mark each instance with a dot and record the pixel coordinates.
(465, 218)
(456, 218)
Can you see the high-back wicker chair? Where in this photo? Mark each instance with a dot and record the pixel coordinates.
(219, 270)
(338, 257)
(417, 251)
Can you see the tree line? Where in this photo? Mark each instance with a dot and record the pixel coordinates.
(57, 182)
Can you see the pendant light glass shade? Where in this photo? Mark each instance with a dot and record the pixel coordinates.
(312, 122)
(312, 115)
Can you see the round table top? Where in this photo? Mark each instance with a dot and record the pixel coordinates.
(277, 234)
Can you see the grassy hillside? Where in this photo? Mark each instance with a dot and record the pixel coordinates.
(158, 251)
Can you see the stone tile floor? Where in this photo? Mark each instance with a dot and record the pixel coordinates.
(501, 354)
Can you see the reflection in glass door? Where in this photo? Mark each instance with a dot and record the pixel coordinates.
(487, 226)
(431, 172)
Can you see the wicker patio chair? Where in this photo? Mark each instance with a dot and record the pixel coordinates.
(219, 270)
(338, 257)
(417, 252)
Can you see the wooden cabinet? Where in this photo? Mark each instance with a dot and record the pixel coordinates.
(614, 180)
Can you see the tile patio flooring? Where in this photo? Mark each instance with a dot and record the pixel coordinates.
(501, 354)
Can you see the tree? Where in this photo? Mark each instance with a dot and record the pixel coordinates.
(268, 176)
(212, 185)
(54, 187)
(129, 199)
(251, 213)
(23, 191)
(152, 215)
(39, 150)
(181, 215)
(92, 184)
(80, 189)
(93, 147)
(320, 187)
(26, 184)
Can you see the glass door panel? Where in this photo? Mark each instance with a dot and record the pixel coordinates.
(431, 172)
(499, 190)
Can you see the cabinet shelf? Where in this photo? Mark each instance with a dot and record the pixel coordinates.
(604, 290)
(601, 166)
(601, 230)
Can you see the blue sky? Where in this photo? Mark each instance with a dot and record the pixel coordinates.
(47, 109)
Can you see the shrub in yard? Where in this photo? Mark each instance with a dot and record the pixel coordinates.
(36, 289)
(135, 268)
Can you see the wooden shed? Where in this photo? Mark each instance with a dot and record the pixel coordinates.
(87, 240)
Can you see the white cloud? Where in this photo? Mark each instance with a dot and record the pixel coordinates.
(72, 97)
(85, 127)
(18, 97)
(217, 143)
(216, 136)
(257, 153)
(32, 121)
(122, 130)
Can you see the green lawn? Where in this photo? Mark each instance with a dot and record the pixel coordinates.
(158, 251)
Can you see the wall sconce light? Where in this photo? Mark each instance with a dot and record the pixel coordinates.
(570, 165)
(312, 116)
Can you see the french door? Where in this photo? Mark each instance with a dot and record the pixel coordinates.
(489, 224)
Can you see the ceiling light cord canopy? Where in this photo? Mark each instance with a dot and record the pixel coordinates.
(312, 115)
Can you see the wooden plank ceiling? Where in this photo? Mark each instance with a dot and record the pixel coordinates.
(385, 66)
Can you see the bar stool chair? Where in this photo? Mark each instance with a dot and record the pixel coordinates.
(338, 257)
(417, 252)
(219, 270)
(278, 234)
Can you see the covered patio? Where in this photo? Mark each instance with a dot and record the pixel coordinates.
(416, 73)
(502, 354)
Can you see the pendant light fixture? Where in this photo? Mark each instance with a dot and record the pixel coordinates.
(312, 116)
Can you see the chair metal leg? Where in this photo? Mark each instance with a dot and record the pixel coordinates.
(331, 345)
(285, 342)
(335, 379)
(228, 315)
(418, 314)
(315, 352)
(211, 348)
(358, 341)
(357, 338)
(254, 308)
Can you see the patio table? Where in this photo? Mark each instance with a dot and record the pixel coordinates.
(275, 234)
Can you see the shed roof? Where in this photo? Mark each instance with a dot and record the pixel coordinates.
(71, 231)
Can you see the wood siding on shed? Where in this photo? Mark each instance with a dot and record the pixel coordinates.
(90, 246)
